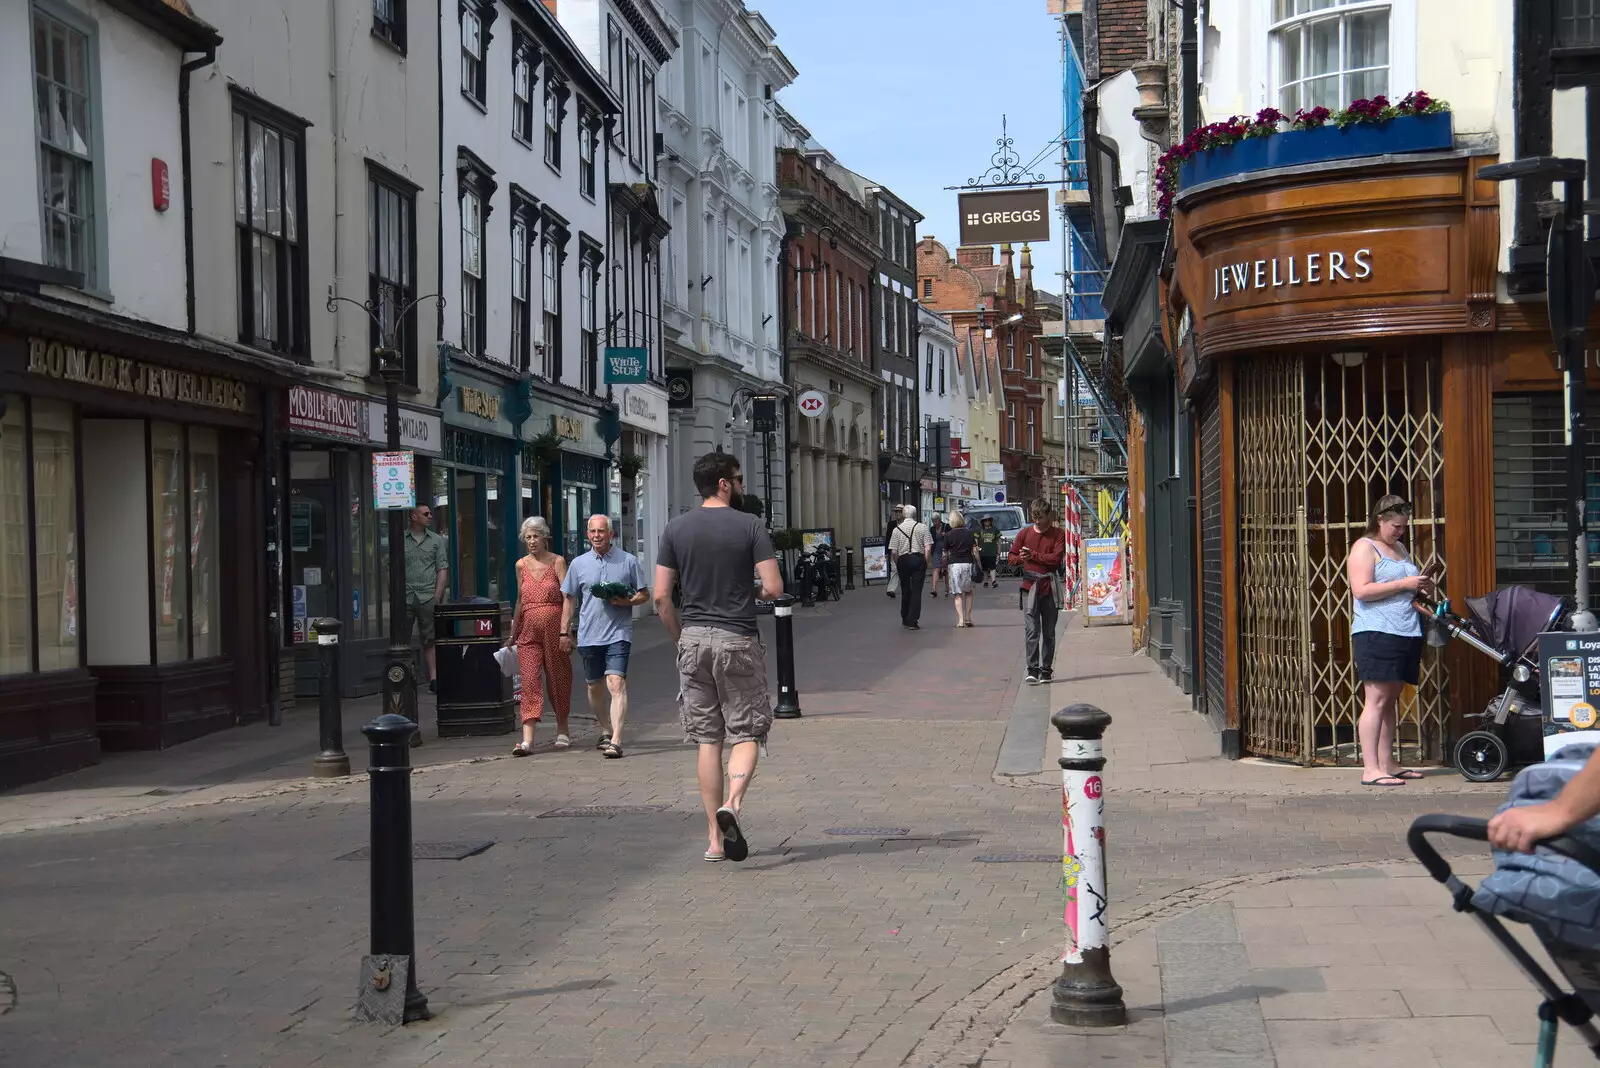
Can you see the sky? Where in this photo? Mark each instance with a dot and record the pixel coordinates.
(910, 94)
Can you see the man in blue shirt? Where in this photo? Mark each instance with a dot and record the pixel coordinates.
(604, 627)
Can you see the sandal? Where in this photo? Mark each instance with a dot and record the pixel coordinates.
(605, 740)
(522, 749)
(712, 857)
(1406, 773)
(563, 742)
(612, 750)
(1384, 780)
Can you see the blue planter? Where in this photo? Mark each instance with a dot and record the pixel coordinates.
(1293, 148)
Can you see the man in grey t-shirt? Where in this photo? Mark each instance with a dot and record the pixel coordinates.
(710, 554)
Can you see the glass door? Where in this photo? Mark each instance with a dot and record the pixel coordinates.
(313, 556)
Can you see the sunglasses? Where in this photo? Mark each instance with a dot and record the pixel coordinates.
(1402, 510)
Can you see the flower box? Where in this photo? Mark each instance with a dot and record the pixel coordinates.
(1293, 148)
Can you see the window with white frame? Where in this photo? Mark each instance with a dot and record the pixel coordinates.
(550, 298)
(555, 110)
(741, 129)
(472, 296)
(746, 311)
(1033, 432)
(522, 88)
(63, 64)
(927, 374)
(475, 50)
(1011, 424)
(632, 105)
(588, 142)
(1327, 53)
(941, 371)
(389, 21)
(589, 320)
(392, 251)
(521, 285)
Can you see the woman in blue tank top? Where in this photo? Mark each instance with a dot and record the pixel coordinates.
(1386, 634)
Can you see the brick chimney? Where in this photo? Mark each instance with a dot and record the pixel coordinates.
(1008, 280)
(975, 255)
(1027, 278)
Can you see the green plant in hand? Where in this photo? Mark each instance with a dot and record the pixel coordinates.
(609, 591)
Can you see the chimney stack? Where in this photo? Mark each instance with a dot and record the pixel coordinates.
(1027, 278)
(1007, 286)
(975, 255)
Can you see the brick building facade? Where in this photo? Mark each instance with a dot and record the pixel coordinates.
(990, 306)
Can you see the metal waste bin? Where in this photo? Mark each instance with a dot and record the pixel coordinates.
(474, 697)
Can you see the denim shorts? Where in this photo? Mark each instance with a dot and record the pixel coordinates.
(602, 660)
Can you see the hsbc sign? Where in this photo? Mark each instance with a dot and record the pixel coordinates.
(1010, 215)
(813, 403)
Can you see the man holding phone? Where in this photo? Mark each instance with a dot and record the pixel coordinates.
(1039, 551)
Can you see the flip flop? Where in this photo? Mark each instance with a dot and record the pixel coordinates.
(1407, 773)
(522, 749)
(1379, 781)
(733, 844)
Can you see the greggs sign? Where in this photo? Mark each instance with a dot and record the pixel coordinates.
(1008, 216)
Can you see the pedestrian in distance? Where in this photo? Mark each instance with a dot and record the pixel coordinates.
(910, 548)
(544, 647)
(936, 561)
(604, 627)
(1039, 550)
(1385, 634)
(711, 552)
(960, 546)
(427, 568)
(989, 551)
(888, 532)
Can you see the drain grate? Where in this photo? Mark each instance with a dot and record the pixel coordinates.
(1019, 858)
(603, 810)
(431, 851)
(869, 832)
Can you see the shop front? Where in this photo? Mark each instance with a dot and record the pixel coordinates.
(336, 559)
(473, 485)
(1335, 332)
(565, 476)
(127, 619)
(641, 470)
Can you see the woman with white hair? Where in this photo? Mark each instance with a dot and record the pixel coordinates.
(959, 546)
(543, 652)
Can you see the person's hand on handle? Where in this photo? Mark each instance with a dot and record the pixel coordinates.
(1520, 829)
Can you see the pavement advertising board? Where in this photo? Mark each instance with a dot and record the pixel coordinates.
(1570, 670)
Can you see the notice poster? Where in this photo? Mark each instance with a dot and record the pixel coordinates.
(1571, 684)
(874, 561)
(394, 480)
(810, 539)
(1103, 587)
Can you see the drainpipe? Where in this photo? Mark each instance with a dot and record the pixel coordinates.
(336, 129)
(205, 60)
(783, 349)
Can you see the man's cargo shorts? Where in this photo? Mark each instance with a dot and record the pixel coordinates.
(722, 678)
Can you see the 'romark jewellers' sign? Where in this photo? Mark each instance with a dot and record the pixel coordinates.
(69, 363)
(1307, 269)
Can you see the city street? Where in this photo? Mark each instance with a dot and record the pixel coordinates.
(220, 921)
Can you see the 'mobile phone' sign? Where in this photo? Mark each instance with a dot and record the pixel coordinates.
(1012, 215)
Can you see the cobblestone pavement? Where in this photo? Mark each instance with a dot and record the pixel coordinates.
(222, 926)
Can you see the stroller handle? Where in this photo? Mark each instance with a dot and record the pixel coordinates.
(1478, 830)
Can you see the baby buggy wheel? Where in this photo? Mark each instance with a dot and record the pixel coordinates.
(1482, 756)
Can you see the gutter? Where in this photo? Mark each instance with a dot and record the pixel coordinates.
(208, 57)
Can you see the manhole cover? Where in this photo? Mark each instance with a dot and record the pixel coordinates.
(603, 810)
(1019, 858)
(869, 832)
(431, 851)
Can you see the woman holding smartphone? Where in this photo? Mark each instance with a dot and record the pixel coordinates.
(1386, 634)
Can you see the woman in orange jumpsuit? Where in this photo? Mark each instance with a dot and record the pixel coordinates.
(542, 650)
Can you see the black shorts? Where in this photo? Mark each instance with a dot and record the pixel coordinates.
(1382, 657)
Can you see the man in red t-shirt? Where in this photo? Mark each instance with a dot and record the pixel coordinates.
(1039, 550)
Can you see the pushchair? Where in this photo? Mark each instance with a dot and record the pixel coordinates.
(1557, 899)
(1505, 625)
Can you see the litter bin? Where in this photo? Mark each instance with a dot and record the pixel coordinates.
(474, 697)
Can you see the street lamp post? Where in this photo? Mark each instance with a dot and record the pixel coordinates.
(1569, 293)
(763, 419)
(399, 674)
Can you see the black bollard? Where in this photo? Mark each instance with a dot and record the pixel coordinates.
(393, 925)
(788, 706)
(332, 762)
(807, 578)
(849, 567)
(1086, 995)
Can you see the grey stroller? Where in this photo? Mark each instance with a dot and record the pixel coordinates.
(1555, 891)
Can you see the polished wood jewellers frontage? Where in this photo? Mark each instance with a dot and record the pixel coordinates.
(127, 619)
(1335, 332)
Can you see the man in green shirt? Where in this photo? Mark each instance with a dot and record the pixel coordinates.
(427, 565)
(989, 551)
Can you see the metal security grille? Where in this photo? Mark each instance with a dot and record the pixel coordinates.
(1530, 491)
(1212, 695)
(1318, 443)
(1273, 653)
(1371, 429)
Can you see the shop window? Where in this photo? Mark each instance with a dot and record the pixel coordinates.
(444, 512)
(391, 231)
(1330, 52)
(55, 526)
(1577, 24)
(64, 67)
(494, 535)
(268, 177)
(1530, 491)
(16, 616)
(205, 590)
(169, 541)
(467, 532)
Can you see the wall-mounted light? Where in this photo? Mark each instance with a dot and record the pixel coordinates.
(1348, 359)
(705, 282)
